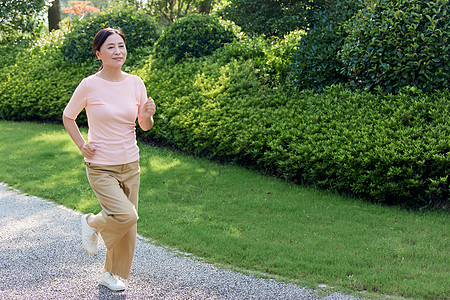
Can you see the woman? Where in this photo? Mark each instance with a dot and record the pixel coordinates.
(113, 101)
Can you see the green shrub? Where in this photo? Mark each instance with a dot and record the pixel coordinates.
(274, 68)
(271, 18)
(39, 85)
(192, 36)
(397, 43)
(391, 149)
(139, 29)
(244, 47)
(270, 57)
(315, 64)
(10, 50)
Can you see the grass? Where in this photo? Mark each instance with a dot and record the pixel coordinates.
(246, 221)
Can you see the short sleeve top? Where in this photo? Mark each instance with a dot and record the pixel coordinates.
(112, 109)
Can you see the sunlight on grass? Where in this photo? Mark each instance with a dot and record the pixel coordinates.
(239, 219)
(162, 165)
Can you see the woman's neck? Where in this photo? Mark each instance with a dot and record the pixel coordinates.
(112, 74)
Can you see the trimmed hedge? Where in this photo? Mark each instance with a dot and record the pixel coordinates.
(397, 43)
(139, 28)
(391, 149)
(192, 36)
(39, 84)
(10, 49)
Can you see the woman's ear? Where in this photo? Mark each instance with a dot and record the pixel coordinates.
(97, 53)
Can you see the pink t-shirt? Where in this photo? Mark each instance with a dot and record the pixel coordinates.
(112, 109)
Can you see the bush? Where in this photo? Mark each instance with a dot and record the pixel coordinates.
(196, 113)
(10, 50)
(397, 43)
(274, 68)
(139, 29)
(40, 84)
(391, 149)
(271, 18)
(192, 36)
(315, 64)
(270, 57)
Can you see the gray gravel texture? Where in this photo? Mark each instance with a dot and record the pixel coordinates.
(41, 257)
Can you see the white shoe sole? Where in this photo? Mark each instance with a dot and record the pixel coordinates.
(114, 286)
(85, 226)
(111, 288)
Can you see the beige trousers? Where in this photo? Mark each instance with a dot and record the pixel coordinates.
(116, 188)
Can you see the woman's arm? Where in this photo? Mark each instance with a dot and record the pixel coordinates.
(71, 126)
(146, 124)
(146, 120)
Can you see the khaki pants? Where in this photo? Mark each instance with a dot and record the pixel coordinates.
(116, 188)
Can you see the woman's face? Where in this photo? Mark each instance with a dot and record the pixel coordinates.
(113, 52)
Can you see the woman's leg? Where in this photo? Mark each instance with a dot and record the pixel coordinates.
(116, 188)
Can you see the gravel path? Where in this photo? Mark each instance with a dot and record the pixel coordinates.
(41, 258)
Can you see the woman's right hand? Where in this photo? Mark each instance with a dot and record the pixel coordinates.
(87, 150)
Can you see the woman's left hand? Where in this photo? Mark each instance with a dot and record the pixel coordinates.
(149, 108)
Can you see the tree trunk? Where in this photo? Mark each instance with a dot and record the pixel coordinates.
(205, 7)
(54, 16)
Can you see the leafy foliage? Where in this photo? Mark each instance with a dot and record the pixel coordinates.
(397, 43)
(39, 85)
(19, 16)
(192, 36)
(168, 11)
(388, 148)
(270, 56)
(272, 17)
(139, 29)
(80, 8)
(315, 65)
(391, 149)
(10, 50)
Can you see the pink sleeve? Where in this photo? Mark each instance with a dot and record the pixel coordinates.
(77, 102)
(142, 97)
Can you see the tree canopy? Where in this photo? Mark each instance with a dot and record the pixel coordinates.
(273, 17)
(19, 15)
(169, 11)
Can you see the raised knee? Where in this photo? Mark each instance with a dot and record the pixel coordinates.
(132, 218)
(129, 218)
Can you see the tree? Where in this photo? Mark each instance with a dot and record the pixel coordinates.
(273, 17)
(80, 8)
(19, 15)
(205, 6)
(171, 10)
(54, 15)
(103, 4)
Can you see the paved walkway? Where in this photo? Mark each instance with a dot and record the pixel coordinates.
(41, 258)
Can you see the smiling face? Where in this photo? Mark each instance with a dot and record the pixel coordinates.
(113, 52)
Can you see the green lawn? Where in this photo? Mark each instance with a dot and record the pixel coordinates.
(249, 222)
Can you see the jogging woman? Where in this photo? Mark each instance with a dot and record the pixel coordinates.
(113, 100)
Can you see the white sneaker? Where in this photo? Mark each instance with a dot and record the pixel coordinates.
(112, 282)
(89, 236)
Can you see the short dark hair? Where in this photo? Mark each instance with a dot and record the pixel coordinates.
(102, 35)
